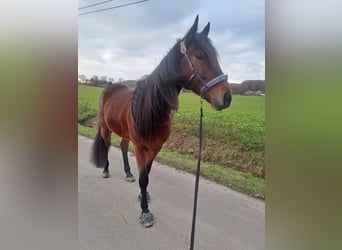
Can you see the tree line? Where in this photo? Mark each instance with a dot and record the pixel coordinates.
(248, 87)
(97, 81)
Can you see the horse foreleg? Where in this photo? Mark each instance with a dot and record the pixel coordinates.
(146, 217)
(124, 150)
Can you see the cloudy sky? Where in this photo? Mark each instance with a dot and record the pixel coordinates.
(129, 42)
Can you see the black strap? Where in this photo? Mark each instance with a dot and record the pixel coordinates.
(192, 240)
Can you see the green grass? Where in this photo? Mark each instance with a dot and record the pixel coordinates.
(89, 95)
(241, 181)
(242, 124)
(233, 137)
(87, 103)
(233, 149)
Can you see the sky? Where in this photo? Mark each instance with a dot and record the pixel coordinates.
(129, 42)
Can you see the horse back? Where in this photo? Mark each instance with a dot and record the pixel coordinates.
(114, 109)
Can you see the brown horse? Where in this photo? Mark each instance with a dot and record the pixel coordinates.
(143, 115)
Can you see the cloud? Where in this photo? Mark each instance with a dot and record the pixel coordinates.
(130, 42)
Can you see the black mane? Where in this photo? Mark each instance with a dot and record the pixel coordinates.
(157, 95)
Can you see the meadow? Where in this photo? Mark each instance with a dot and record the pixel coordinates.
(233, 142)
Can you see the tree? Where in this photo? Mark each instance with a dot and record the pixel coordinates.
(143, 77)
(82, 77)
(110, 80)
(94, 79)
(252, 85)
(103, 78)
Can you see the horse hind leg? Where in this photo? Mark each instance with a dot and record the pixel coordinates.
(99, 151)
(105, 172)
(124, 150)
(105, 134)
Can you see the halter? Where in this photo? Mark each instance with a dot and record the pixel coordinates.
(206, 86)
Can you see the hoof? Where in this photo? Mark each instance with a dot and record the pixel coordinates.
(147, 197)
(105, 174)
(146, 219)
(130, 178)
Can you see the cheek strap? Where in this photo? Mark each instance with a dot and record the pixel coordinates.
(208, 85)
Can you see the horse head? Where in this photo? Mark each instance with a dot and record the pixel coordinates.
(199, 65)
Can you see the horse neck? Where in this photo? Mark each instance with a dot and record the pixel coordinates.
(166, 81)
(163, 97)
(157, 96)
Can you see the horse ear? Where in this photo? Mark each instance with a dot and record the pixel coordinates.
(206, 29)
(193, 29)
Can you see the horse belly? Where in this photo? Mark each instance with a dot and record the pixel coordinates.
(117, 114)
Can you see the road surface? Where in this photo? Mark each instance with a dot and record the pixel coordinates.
(108, 210)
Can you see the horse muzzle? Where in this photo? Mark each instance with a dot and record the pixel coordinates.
(218, 101)
(222, 103)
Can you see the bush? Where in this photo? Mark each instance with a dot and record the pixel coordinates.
(85, 112)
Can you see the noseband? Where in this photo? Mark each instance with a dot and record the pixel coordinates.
(206, 86)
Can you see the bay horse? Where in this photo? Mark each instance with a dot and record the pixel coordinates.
(143, 115)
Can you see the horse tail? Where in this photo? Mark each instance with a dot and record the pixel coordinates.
(99, 152)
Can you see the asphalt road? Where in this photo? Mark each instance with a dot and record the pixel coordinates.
(108, 210)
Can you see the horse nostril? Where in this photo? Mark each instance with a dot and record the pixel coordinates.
(227, 99)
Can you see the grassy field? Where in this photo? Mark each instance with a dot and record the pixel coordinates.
(233, 145)
(233, 137)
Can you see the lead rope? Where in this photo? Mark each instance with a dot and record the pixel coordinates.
(197, 179)
(205, 87)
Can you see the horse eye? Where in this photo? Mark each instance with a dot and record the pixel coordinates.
(200, 57)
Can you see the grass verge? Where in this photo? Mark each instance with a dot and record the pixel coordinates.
(241, 181)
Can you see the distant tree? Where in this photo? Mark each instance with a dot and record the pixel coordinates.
(143, 77)
(82, 77)
(252, 85)
(103, 78)
(120, 79)
(110, 80)
(94, 79)
(235, 87)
